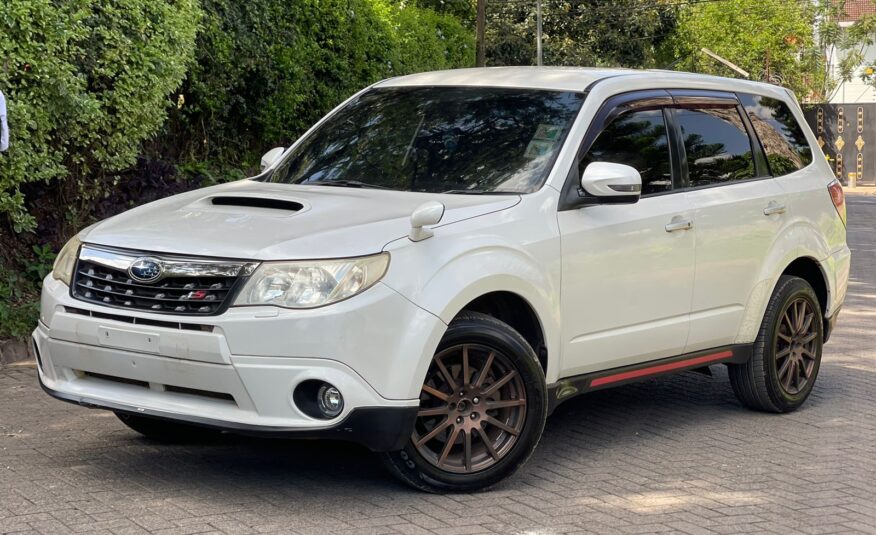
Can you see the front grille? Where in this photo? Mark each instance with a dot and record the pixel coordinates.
(102, 277)
(140, 321)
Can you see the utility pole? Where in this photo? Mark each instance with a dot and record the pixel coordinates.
(481, 57)
(538, 31)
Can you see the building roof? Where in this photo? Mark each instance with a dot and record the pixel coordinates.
(855, 9)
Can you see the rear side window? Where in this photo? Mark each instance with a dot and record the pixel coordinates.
(717, 145)
(637, 139)
(780, 134)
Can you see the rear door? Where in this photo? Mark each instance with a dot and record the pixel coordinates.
(738, 210)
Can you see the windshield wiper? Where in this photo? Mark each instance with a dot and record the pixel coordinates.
(478, 192)
(345, 184)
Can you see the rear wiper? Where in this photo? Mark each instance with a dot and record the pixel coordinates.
(345, 184)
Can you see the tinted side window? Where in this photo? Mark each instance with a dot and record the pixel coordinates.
(780, 134)
(717, 145)
(637, 139)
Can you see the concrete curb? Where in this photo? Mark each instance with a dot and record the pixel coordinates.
(860, 190)
(14, 351)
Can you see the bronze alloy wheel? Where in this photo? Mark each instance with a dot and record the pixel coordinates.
(786, 355)
(472, 409)
(795, 346)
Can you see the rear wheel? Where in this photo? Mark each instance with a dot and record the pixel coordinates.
(482, 409)
(787, 353)
(166, 430)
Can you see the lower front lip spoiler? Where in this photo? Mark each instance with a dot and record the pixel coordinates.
(377, 428)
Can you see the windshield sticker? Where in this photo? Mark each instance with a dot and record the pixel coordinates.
(548, 132)
(538, 148)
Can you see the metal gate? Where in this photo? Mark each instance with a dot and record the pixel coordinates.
(847, 135)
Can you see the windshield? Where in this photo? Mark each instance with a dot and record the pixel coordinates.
(437, 139)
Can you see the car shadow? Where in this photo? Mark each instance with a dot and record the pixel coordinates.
(586, 425)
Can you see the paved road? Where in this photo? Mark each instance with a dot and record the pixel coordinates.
(671, 455)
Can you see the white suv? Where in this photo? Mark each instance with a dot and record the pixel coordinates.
(446, 256)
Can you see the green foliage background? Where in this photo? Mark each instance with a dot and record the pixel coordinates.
(266, 70)
(86, 82)
(113, 103)
(620, 33)
(773, 40)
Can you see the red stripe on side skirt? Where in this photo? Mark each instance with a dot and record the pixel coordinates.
(660, 368)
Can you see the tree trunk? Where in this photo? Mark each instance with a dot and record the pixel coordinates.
(481, 59)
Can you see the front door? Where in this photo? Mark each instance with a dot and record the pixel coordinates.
(628, 269)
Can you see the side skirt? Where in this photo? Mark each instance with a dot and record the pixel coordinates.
(570, 387)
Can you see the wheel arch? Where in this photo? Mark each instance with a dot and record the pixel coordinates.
(517, 312)
(810, 270)
(796, 263)
(798, 246)
(487, 274)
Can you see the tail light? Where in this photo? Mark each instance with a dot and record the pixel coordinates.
(838, 198)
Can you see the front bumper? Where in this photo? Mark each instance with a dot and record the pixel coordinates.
(237, 371)
(377, 428)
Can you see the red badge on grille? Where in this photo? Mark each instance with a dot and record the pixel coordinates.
(197, 294)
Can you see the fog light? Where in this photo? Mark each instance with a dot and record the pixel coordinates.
(330, 400)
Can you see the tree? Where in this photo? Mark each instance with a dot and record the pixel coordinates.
(774, 40)
(268, 69)
(623, 33)
(846, 46)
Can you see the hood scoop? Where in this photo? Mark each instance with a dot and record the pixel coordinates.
(257, 202)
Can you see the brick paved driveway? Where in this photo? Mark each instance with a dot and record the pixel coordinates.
(673, 455)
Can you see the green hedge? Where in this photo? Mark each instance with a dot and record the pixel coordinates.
(268, 69)
(89, 81)
(113, 103)
(86, 82)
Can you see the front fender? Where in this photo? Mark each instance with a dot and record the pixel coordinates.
(469, 259)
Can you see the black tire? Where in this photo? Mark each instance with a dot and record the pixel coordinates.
(166, 430)
(481, 331)
(759, 383)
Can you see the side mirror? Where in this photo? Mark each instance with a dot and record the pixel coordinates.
(270, 157)
(428, 213)
(612, 182)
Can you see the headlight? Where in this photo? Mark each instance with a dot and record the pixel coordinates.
(66, 261)
(313, 283)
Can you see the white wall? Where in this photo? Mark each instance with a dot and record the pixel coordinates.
(854, 91)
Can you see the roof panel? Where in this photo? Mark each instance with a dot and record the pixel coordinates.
(557, 78)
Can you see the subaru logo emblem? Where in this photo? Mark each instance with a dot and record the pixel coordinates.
(145, 270)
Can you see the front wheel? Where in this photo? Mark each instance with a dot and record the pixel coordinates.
(482, 409)
(787, 353)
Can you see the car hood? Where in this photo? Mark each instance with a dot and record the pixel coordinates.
(263, 221)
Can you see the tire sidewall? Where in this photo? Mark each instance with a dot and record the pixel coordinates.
(522, 356)
(794, 289)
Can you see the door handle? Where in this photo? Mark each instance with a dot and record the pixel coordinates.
(679, 223)
(774, 208)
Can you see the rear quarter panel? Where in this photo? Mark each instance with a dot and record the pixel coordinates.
(811, 228)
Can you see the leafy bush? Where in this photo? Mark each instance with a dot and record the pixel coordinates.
(90, 84)
(268, 69)
(19, 305)
(86, 82)
(19, 293)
